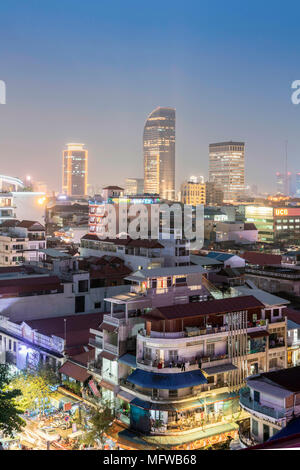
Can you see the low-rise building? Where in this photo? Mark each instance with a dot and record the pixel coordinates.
(21, 242)
(272, 399)
(193, 193)
(176, 370)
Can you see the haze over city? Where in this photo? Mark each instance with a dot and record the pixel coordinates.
(92, 72)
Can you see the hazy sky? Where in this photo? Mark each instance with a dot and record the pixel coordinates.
(91, 71)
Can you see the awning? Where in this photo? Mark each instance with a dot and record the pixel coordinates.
(108, 385)
(93, 387)
(128, 360)
(74, 371)
(166, 381)
(219, 369)
(221, 397)
(258, 334)
(108, 327)
(146, 405)
(126, 396)
(108, 355)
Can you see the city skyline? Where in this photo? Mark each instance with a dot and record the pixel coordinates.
(64, 77)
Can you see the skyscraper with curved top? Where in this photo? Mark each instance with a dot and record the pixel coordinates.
(159, 153)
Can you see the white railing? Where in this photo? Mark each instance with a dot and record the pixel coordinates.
(111, 348)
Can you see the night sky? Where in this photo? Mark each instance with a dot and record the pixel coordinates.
(91, 71)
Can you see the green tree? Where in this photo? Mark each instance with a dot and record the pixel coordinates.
(10, 420)
(99, 420)
(35, 387)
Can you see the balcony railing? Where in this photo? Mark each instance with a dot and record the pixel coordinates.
(110, 348)
(247, 402)
(277, 274)
(96, 343)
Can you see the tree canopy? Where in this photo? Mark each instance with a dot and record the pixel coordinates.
(99, 420)
(10, 420)
(35, 387)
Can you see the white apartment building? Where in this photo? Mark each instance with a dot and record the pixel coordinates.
(21, 242)
(272, 400)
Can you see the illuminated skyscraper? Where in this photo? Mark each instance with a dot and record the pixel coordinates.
(75, 170)
(227, 168)
(159, 153)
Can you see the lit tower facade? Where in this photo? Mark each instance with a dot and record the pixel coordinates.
(159, 153)
(227, 168)
(75, 170)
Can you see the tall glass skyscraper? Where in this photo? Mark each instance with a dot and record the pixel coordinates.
(227, 168)
(159, 153)
(75, 170)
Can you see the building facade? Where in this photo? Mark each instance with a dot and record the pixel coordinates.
(75, 170)
(134, 186)
(159, 153)
(272, 400)
(227, 168)
(275, 224)
(174, 371)
(193, 193)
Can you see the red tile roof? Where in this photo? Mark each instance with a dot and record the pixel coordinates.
(108, 327)
(114, 187)
(249, 226)
(105, 267)
(85, 357)
(75, 371)
(108, 355)
(125, 241)
(77, 328)
(17, 286)
(10, 223)
(31, 225)
(258, 334)
(210, 307)
(293, 315)
(285, 378)
(261, 259)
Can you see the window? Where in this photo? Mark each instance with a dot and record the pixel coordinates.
(173, 355)
(254, 427)
(276, 312)
(210, 349)
(83, 286)
(173, 393)
(97, 305)
(147, 353)
(266, 432)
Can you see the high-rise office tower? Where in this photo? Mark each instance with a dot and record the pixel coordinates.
(283, 183)
(134, 186)
(159, 153)
(75, 170)
(227, 168)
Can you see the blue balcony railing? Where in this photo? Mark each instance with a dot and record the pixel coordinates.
(250, 404)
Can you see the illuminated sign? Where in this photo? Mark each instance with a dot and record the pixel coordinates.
(283, 211)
